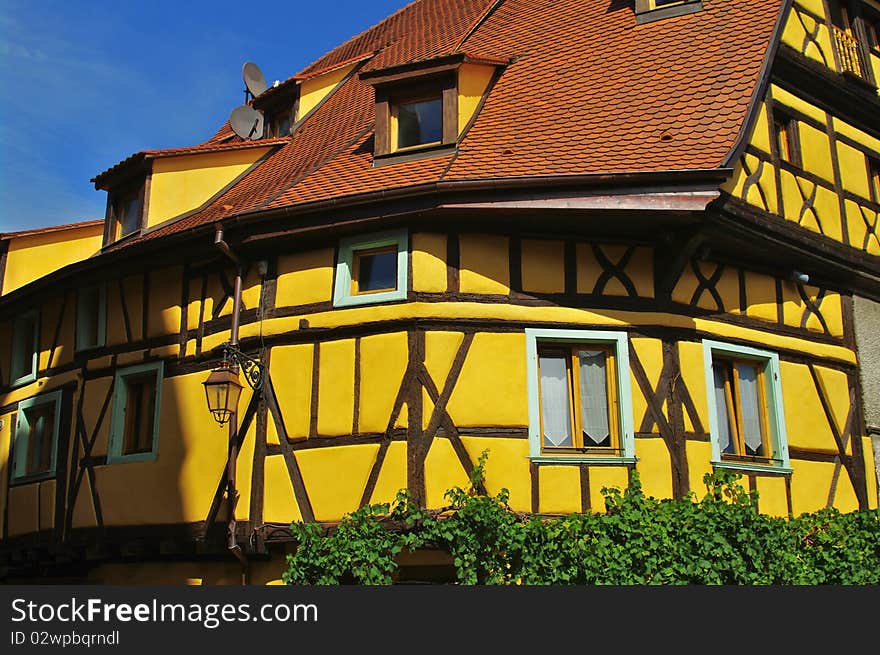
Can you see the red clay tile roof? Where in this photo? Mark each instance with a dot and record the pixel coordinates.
(588, 92)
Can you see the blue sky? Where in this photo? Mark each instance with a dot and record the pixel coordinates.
(87, 83)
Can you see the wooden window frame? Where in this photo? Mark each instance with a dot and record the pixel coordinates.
(785, 124)
(357, 255)
(17, 353)
(570, 351)
(390, 95)
(345, 262)
(22, 445)
(873, 166)
(395, 110)
(121, 195)
(733, 400)
(275, 118)
(647, 11)
(871, 22)
(101, 337)
(116, 450)
(770, 396)
(620, 395)
(275, 103)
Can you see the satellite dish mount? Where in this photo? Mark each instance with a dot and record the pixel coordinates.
(247, 122)
(254, 80)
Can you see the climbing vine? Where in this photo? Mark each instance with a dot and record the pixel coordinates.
(639, 540)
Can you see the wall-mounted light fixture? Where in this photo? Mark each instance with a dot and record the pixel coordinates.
(223, 390)
(223, 386)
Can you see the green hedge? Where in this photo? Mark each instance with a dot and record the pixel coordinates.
(721, 539)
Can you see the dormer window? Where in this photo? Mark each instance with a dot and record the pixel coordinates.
(418, 122)
(126, 212)
(423, 108)
(417, 115)
(280, 122)
(281, 125)
(278, 104)
(647, 11)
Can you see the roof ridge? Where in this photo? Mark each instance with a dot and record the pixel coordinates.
(478, 22)
(359, 34)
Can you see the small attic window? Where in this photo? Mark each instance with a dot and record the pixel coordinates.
(126, 212)
(417, 104)
(419, 122)
(416, 115)
(280, 123)
(278, 104)
(647, 11)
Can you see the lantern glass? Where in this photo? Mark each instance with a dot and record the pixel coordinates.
(222, 390)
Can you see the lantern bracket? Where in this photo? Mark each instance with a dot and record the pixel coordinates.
(253, 369)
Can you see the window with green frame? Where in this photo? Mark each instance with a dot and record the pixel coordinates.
(746, 420)
(580, 402)
(36, 437)
(371, 269)
(91, 317)
(25, 348)
(134, 426)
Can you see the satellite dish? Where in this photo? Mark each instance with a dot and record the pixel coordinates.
(246, 122)
(254, 79)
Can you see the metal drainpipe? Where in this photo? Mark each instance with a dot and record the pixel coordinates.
(231, 491)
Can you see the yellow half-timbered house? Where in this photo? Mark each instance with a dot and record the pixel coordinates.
(591, 237)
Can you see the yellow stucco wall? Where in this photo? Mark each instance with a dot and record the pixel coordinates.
(484, 264)
(473, 81)
(383, 361)
(33, 256)
(312, 91)
(502, 392)
(331, 493)
(181, 184)
(429, 262)
(506, 468)
(602, 477)
(305, 278)
(443, 471)
(543, 266)
(335, 388)
(799, 27)
(654, 467)
(559, 490)
(772, 496)
(164, 313)
(392, 476)
(805, 422)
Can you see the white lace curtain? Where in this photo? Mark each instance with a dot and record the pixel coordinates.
(556, 402)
